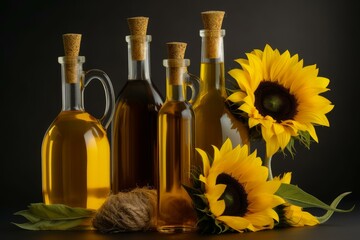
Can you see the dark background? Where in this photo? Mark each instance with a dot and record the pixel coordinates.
(322, 32)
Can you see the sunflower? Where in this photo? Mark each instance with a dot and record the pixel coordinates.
(292, 215)
(280, 97)
(234, 191)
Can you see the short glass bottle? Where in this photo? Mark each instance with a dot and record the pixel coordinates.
(176, 139)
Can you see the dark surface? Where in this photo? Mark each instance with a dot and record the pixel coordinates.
(342, 226)
(322, 32)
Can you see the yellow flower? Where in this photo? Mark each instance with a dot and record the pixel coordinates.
(280, 95)
(294, 215)
(236, 188)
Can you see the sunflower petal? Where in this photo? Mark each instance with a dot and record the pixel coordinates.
(240, 78)
(237, 223)
(217, 207)
(205, 160)
(237, 97)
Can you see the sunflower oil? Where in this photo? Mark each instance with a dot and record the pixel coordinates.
(76, 161)
(75, 151)
(214, 122)
(176, 148)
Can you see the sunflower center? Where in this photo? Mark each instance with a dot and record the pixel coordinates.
(276, 101)
(235, 196)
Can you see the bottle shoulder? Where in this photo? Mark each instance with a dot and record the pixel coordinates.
(176, 107)
(140, 91)
(76, 122)
(209, 99)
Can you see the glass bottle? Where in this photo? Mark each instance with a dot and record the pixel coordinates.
(75, 149)
(214, 122)
(176, 149)
(134, 127)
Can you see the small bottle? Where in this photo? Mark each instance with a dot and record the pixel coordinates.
(176, 146)
(75, 150)
(214, 122)
(134, 127)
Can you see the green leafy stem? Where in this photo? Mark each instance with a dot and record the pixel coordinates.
(296, 196)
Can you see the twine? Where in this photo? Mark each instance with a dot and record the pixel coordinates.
(127, 212)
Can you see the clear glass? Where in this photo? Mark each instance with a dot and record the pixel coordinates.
(134, 127)
(176, 152)
(75, 149)
(214, 122)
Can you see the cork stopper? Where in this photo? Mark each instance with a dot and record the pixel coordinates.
(71, 43)
(176, 50)
(212, 21)
(138, 28)
(176, 64)
(138, 25)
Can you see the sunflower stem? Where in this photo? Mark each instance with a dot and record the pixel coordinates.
(267, 163)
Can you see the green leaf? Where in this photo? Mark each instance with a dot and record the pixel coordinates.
(50, 225)
(28, 215)
(55, 217)
(58, 211)
(334, 204)
(296, 196)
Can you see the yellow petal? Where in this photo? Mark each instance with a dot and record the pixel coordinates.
(240, 78)
(272, 146)
(205, 160)
(217, 208)
(237, 97)
(284, 139)
(238, 223)
(261, 220)
(215, 192)
(226, 147)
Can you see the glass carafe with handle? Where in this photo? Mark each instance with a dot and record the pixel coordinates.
(176, 138)
(75, 149)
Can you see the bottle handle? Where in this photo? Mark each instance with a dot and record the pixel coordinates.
(109, 94)
(193, 82)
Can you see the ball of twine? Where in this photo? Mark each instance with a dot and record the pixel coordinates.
(127, 212)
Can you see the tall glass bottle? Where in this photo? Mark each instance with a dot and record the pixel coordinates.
(176, 147)
(134, 128)
(75, 150)
(214, 123)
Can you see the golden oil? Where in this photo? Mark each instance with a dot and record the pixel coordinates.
(76, 161)
(176, 139)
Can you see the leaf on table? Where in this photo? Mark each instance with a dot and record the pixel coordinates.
(59, 211)
(26, 214)
(42, 216)
(50, 225)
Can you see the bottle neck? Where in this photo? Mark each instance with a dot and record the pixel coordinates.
(212, 73)
(72, 83)
(176, 70)
(139, 57)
